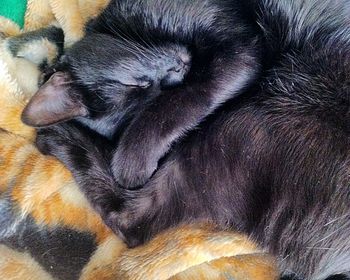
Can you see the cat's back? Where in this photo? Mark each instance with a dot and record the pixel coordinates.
(178, 20)
(307, 70)
(301, 114)
(280, 157)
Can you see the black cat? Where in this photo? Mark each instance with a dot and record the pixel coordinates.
(199, 53)
(273, 163)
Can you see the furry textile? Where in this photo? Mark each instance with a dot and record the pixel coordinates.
(47, 228)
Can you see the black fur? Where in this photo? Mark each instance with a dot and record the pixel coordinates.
(339, 277)
(273, 163)
(211, 38)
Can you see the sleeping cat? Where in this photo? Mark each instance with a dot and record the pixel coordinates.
(273, 163)
(34, 235)
(215, 43)
(127, 82)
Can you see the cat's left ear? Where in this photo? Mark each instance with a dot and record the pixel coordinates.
(55, 102)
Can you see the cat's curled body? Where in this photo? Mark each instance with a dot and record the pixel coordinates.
(273, 163)
(219, 58)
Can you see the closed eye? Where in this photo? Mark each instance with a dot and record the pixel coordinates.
(145, 84)
(141, 84)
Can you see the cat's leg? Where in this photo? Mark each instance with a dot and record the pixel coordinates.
(130, 214)
(175, 112)
(86, 155)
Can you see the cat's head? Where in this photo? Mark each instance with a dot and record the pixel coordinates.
(102, 79)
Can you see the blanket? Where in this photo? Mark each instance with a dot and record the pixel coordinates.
(47, 228)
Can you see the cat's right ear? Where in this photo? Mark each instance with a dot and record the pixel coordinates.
(55, 102)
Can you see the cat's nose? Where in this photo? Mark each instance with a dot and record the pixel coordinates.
(185, 58)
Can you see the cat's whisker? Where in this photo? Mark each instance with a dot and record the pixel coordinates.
(320, 248)
(347, 215)
(339, 228)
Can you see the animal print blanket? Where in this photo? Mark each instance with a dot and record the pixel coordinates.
(47, 228)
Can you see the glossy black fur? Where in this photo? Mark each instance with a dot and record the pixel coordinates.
(126, 45)
(273, 163)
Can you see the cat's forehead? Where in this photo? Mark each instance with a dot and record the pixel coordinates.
(172, 53)
(105, 49)
(98, 58)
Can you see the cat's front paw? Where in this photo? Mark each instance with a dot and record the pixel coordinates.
(121, 224)
(129, 222)
(132, 169)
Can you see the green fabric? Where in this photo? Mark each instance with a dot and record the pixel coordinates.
(14, 10)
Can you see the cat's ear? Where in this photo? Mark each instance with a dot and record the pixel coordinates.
(55, 102)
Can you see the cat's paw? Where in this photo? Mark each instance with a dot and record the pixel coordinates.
(121, 224)
(130, 220)
(132, 169)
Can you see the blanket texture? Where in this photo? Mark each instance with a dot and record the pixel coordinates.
(47, 228)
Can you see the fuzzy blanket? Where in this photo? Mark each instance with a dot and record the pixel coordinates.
(47, 228)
